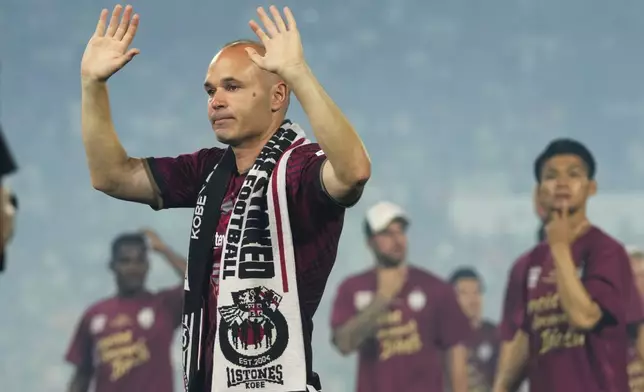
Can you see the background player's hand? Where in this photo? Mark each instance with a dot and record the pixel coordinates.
(391, 281)
(284, 53)
(107, 51)
(559, 231)
(155, 242)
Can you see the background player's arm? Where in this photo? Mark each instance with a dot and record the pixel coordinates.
(457, 367)
(512, 361)
(178, 263)
(639, 342)
(81, 380)
(582, 311)
(352, 334)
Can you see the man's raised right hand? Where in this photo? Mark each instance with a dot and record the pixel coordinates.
(107, 51)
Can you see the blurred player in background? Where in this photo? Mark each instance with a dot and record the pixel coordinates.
(400, 318)
(122, 343)
(578, 287)
(483, 347)
(513, 301)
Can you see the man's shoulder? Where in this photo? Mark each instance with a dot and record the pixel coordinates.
(599, 239)
(103, 306)
(168, 291)
(428, 279)
(534, 255)
(209, 154)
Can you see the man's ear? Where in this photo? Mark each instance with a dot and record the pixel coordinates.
(592, 188)
(279, 96)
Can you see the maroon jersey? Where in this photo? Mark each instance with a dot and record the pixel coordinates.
(422, 322)
(316, 224)
(483, 353)
(512, 316)
(565, 359)
(126, 342)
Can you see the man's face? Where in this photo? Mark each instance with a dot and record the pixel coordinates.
(637, 263)
(130, 266)
(390, 245)
(470, 297)
(564, 181)
(242, 98)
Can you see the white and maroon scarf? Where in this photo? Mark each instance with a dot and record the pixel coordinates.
(259, 343)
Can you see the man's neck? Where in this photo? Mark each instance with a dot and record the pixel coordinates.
(579, 223)
(130, 293)
(246, 153)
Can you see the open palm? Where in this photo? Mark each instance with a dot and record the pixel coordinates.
(282, 42)
(107, 51)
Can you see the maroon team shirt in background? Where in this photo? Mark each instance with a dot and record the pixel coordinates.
(126, 342)
(422, 322)
(564, 359)
(512, 314)
(483, 354)
(316, 224)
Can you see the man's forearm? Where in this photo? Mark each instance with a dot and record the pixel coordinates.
(582, 311)
(340, 142)
(457, 356)
(351, 335)
(105, 154)
(639, 343)
(512, 360)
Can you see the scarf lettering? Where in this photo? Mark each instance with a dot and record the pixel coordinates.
(196, 220)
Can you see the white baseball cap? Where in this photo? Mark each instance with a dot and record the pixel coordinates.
(380, 215)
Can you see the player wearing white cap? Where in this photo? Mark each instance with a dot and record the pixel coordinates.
(400, 318)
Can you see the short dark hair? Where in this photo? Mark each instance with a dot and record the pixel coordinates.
(465, 273)
(565, 147)
(127, 239)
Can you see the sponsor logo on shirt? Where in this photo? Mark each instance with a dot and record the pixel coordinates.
(416, 300)
(97, 325)
(397, 337)
(484, 351)
(253, 333)
(550, 325)
(145, 317)
(533, 277)
(122, 353)
(362, 299)
(219, 240)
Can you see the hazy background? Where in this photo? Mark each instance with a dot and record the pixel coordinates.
(454, 99)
